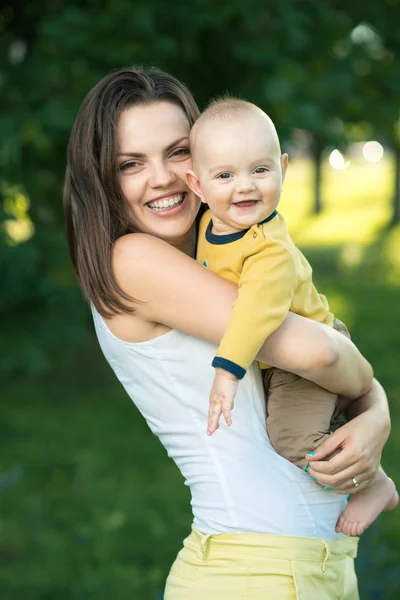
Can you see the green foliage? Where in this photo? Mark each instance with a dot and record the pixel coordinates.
(41, 305)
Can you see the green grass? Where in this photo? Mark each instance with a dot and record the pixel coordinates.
(90, 505)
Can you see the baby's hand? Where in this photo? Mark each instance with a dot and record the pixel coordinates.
(222, 395)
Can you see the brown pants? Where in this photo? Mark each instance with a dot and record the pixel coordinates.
(300, 413)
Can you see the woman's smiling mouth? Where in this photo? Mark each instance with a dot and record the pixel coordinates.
(166, 203)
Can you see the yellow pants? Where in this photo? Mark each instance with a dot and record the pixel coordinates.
(263, 567)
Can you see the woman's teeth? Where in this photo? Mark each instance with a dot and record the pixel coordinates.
(166, 203)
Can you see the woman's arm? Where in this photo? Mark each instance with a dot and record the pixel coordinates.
(318, 353)
(177, 292)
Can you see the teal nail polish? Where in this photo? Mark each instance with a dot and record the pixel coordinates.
(328, 489)
(310, 453)
(307, 470)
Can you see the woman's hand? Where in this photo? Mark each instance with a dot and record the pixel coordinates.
(356, 447)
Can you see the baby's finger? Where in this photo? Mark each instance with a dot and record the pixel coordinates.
(214, 413)
(211, 431)
(212, 426)
(228, 417)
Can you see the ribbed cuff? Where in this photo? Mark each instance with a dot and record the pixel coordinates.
(228, 365)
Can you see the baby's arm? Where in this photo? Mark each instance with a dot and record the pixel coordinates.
(266, 289)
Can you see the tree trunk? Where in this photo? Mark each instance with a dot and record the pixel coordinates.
(396, 192)
(317, 149)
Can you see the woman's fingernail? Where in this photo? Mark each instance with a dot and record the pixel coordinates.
(310, 453)
(328, 489)
(307, 470)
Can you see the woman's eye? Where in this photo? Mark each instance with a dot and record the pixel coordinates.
(181, 152)
(129, 165)
(223, 176)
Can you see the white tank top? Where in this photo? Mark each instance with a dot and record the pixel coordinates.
(238, 482)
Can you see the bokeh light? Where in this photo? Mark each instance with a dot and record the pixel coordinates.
(373, 152)
(337, 161)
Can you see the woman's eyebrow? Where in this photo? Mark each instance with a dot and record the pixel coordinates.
(132, 154)
(167, 149)
(178, 141)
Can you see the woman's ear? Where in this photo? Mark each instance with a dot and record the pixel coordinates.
(284, 165)
(193, 182)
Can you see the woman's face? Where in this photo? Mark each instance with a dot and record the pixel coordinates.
(153, 158)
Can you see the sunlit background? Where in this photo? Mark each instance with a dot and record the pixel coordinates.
(90, 506)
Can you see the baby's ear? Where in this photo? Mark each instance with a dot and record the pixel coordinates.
(284, 165)
(193, 182)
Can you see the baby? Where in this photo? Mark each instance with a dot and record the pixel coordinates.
(238, 171)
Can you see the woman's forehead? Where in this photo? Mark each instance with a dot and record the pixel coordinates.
(145, 126)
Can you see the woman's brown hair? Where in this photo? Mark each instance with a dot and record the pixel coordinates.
(95, 209)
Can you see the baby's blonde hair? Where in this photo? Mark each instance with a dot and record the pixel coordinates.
(225, 109)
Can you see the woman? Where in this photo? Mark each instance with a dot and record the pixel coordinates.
(261, 525)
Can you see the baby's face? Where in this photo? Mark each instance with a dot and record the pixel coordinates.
(240, 170)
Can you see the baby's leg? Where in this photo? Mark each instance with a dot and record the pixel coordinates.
(363, 508)
(299, 414)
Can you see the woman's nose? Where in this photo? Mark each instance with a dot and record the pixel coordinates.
(162, 176)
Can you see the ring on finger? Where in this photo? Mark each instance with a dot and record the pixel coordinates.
(354, 480)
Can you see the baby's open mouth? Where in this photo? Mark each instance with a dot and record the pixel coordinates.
(246, 203)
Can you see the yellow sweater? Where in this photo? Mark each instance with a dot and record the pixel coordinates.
(273, 278)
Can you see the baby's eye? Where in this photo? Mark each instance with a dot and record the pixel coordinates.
(224, 175)
(261, 170)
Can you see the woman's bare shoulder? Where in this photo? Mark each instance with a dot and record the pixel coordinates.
(172, 289)
(133, 259)
(143, 263)
(136, 247)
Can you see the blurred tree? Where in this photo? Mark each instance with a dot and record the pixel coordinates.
(297, 59)
(374, 49)
(380, 87)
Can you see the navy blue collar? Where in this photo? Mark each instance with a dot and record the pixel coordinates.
(227, 238)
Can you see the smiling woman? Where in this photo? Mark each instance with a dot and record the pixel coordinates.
(153, 147)
(114, 172)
